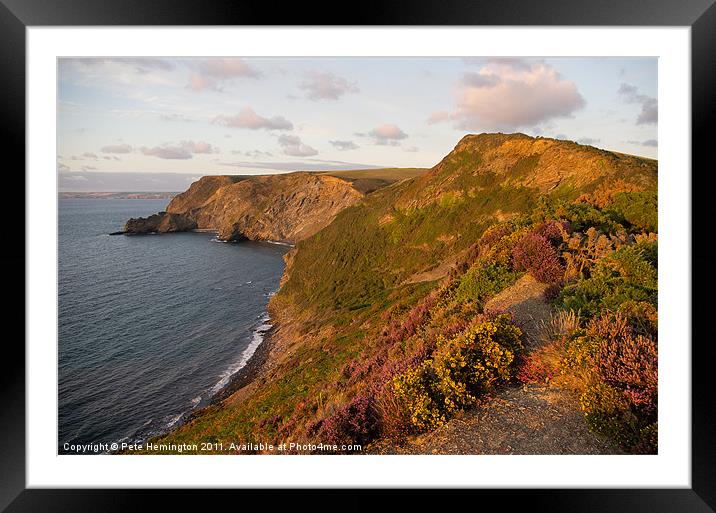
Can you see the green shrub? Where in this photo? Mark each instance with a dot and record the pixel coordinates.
(582, 216)
(617, 278)
(482, 281)
(638, 209)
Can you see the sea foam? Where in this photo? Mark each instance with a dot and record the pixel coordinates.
(256, 338)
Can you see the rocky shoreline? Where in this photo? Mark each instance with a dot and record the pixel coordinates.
(246, 374)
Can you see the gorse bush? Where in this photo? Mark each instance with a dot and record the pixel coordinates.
(416, 392)
(534, 253)
(462, 369)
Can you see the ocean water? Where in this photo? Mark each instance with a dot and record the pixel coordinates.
(150, 326)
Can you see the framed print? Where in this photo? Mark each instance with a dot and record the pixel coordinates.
(453, 248)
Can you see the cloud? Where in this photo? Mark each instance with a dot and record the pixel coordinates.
(649, 142)
(168, 152)
(175, 117)
(588, 141)
(123, 181)
(386, 134)
(116, 148)
(517, 63)
(326, 86)
(198, 147)
(344, 145)
(199, 82)
(293, 146)
(62, 168)
(228, 68)
(411, 149)
(438, 117)
(479, 80)
(305, 165)
(183, 151)
(119, 75)
(90, 155)
(253, 153)
(509, 93)
(144, 64)
(247, 118)
(212, 73)
(649, 114)
(139, 64)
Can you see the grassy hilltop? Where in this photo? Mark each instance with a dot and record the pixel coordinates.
(386, 320)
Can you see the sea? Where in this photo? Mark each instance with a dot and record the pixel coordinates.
(150, 326)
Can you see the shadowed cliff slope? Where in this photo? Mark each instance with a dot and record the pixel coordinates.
(285, 207)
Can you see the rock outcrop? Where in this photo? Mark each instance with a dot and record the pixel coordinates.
(287, 207)
(162, 222)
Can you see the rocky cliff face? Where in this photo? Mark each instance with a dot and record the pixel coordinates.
(288, 207)
(162, 222)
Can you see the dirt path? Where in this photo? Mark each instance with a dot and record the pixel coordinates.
(517, 419)
(525, 300)
(533, 420)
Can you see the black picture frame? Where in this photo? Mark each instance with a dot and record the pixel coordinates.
(700, 15)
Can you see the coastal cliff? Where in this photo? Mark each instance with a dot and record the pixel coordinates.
(378, 309)
(287, 207)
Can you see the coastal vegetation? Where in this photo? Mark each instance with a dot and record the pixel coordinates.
(385, 325)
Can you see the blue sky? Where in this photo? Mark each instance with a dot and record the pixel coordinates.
(265, 115)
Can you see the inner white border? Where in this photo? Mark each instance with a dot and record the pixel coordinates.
(670, 468)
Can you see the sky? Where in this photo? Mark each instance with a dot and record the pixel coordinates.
(156, 123)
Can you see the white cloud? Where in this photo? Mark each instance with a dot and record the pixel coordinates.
(326, 86)
(116, 148)
(247, 118)
(212, 73)
(344, 145)
(168, 152)
(649, 106)
(588, 141)
(438, 117)
(506, 94)
(649, 142)
(182, 151)
(198, 147)
(387, 134)
(293, 146)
